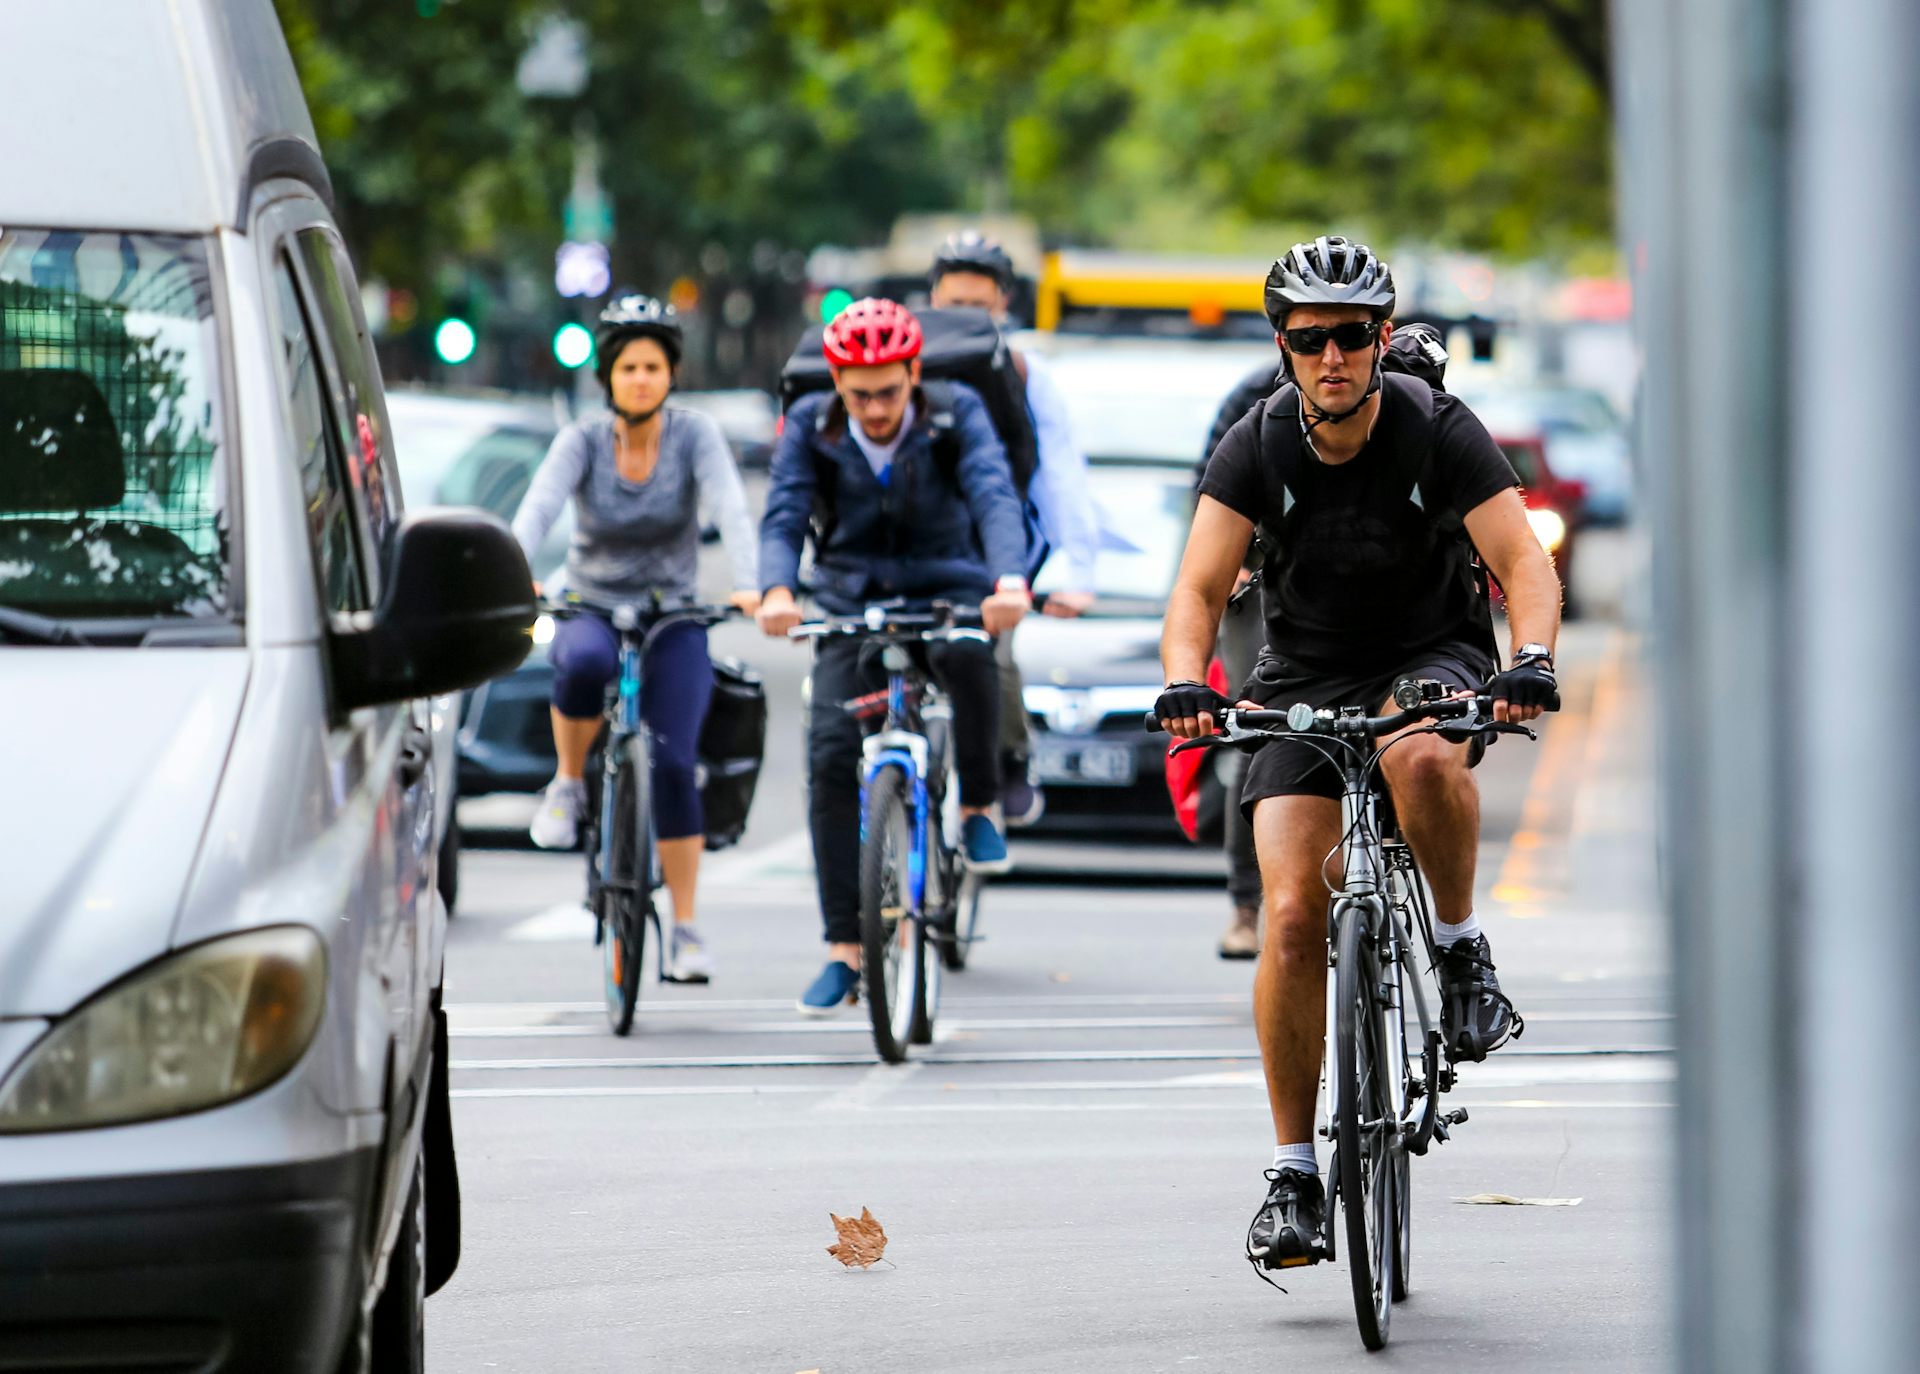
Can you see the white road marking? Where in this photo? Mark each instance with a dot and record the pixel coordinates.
(567, 921)
(948, 1026)
(1631, 1064)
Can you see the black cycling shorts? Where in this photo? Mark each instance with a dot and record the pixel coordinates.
(1294, 768)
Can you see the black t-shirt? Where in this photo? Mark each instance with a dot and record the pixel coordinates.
(1364, 577)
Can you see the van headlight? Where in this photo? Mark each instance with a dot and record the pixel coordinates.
(1548, 527)
(191, 1031)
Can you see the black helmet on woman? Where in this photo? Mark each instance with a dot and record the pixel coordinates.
(631, 317)
(972, 251)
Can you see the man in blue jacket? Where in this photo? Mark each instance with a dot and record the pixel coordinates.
(903, 514)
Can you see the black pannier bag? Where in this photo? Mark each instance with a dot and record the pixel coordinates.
(732, 742)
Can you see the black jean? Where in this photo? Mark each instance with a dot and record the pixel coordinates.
(842, 670)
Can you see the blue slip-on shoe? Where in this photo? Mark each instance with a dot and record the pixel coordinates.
(981, 847)
(832, 990)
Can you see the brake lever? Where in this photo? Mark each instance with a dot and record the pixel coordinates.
(1463, 731)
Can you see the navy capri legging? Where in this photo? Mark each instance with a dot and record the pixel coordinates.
(676, 683)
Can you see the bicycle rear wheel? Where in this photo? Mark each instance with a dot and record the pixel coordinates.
(1364, 1131)
(626, 888)
(966, 921)
(891, 943)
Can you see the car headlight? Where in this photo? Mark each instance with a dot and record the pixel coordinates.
(191, 1031)
(543, 629)
(1548, 527)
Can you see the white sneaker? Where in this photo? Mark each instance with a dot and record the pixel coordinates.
(556, 825)
(688, 959)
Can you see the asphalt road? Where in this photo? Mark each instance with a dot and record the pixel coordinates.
(1067, 1174)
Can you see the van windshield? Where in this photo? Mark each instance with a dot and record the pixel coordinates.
(113, 495)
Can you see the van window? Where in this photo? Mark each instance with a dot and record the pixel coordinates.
(114, 500)
(356, 390)
(329, 511)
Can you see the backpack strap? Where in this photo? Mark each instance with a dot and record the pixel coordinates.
(945, 424)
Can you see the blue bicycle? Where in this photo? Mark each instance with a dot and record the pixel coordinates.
(913, 886)
(623, 868)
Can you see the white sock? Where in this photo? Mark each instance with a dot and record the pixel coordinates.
(1444, 934)
(1296, 1157)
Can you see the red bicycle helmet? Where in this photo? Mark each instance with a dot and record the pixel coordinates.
(872, 333)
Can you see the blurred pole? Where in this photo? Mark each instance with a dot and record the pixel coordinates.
(1855, 536)
(1770, 175)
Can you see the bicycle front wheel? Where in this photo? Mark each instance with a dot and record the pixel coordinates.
(1365, 1130)
(890, 945)
(626, 888)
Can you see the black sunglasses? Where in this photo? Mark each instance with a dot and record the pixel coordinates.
(1351, 336)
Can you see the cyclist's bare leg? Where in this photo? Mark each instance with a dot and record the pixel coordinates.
(680, 866)
(1292, 835)
(846, 954)
(572, 738)
(1438, 804)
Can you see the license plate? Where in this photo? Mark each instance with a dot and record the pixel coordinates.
(1090, 762)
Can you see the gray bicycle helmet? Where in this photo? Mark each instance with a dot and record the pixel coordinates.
(630, 317)
(1328, 271)
(972, 251)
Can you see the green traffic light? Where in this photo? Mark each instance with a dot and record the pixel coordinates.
(573, 345)
(833, 303)
(454, 341)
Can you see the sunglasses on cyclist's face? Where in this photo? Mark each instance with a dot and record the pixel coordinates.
(881, 396)
(1351, 337)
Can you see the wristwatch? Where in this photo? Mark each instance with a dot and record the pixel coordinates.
(1527, 653)
(1012, 582)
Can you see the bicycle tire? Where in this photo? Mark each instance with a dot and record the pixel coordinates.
(626, 889)
(1403, 1223)
(1365, 1154)
(930, 954)
(890, 939)
(966, 922)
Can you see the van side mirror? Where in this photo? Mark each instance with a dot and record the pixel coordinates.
(456, 611)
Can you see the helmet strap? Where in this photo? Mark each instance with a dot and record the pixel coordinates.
(635, 417)
(1329, 417)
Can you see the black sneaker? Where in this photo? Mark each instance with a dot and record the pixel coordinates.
(1475, 1015)
(1286, 1230)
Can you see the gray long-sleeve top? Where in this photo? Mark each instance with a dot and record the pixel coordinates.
(632, 537)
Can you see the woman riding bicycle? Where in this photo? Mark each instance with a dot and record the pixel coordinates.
(638, 476)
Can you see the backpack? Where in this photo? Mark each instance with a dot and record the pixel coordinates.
(959, 345)
(1414, 366)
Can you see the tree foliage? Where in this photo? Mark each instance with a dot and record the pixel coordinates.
(1478, 124)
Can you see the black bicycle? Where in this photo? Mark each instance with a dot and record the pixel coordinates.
(914, 890)
(1386, 1077)
(623, 868)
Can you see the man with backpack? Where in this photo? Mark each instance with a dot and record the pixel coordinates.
(906, 493)
(1416, 349)
(1372, 493)
(971, 270)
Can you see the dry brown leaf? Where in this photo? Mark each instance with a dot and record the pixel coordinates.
(861, 1240)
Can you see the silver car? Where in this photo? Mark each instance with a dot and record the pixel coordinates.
(225, 1139)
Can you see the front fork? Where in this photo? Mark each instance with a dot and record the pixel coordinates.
(882, 752)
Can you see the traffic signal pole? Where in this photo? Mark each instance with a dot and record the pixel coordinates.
(1770, 160)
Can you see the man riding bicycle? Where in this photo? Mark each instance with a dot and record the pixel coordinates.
(1372, 494)
(908, 498)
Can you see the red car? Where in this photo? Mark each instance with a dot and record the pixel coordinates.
(1553, 505)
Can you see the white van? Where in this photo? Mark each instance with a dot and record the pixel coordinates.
(224, 1133)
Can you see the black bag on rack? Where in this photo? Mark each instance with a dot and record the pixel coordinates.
(732, 742)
